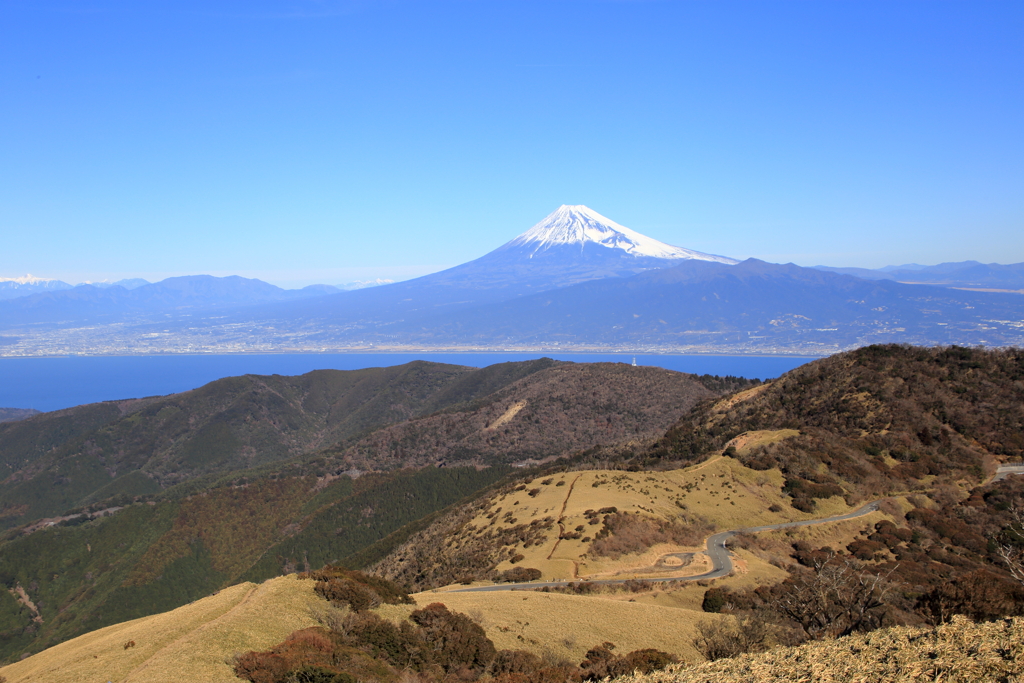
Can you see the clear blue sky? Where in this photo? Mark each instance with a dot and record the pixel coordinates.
(318, 141)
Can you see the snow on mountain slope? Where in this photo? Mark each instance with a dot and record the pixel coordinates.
(580, 225)
(14, 287)
(31, 280)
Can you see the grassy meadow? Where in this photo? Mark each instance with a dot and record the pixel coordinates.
(190, 643)
(721, 492)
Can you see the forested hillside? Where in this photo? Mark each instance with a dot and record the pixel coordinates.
(880, 418)
(78, 456)
(551, 412)
(84, 574)
(151, 503)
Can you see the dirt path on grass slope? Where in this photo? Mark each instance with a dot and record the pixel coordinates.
(561, 515)
(189, 635)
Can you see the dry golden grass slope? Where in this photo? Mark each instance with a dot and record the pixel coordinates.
(196, 642)
(191, 643)
(720, 490)
(566, 626)
(958, 652)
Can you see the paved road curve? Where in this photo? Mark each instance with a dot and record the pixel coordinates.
(721, 562)
(1006, 470)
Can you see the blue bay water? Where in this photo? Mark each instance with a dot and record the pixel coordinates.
(54, 383)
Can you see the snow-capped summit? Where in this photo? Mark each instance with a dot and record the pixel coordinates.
(580, 226)
(29, 279)
(573, 244)
(15, 287)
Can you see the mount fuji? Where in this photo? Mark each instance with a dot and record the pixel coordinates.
(572, 244)
(569, 230)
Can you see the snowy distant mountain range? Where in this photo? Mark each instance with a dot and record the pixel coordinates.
(14, 287)
(574, 280)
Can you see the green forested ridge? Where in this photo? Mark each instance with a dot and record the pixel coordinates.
(70, 573)
(378, 505)
(151, 557)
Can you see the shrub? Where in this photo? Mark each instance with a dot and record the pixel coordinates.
(980, 595)
(356, 589)
(518, 575)
(647, 660)
(515, 662)
(714, 600)
(457, 641)
(261, 667)
(602, 663)
(316, 674)
(625, 533)
(400, 645)
(347, 592)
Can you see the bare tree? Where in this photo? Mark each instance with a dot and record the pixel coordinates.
(1012, 551)
(835, 599)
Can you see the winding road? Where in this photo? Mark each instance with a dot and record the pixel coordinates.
(721, 562)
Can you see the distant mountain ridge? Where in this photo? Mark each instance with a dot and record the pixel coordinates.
(750, 305)
(575, 280)
(90, 303)
(15, 414)
(14, 287)
(27, 285)
(967, 274)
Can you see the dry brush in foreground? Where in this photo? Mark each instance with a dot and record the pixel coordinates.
(958, 652)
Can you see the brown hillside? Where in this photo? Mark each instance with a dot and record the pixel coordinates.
(879, 418)
(74, 457)
(550, 413)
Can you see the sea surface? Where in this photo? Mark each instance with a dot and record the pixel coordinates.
(54, 383)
